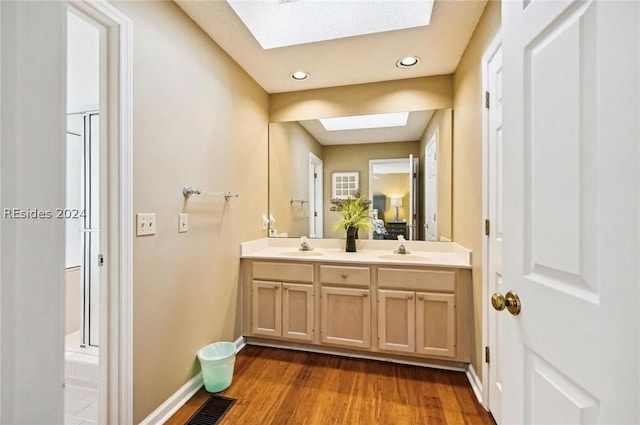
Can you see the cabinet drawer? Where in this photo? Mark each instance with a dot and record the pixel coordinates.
(418, 280)
(283, 272)
(348, 276)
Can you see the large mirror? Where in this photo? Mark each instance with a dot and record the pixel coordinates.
(402, 162)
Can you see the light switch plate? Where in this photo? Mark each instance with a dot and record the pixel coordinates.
(145, 224)
(183, 223)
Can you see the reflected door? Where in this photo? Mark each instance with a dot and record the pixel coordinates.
(316, 172)
(431, 189)
(413, 198)
(571, 211)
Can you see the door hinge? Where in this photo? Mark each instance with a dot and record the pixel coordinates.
(315, 175)
(315, 213)
(486, 355)
(487, 97)
(100, 260)
(487, 227)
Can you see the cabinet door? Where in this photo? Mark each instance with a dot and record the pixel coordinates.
(266, 308)
(297, 311)
(397, 321)
(346, 317)
(435, 324)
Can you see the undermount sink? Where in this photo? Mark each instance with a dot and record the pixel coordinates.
(302, 253)
(403, 257)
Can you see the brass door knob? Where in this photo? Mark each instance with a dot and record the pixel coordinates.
(511, 301)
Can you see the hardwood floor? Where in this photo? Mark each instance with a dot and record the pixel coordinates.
(283, 387)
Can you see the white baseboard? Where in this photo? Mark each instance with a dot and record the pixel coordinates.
(180, 397)
(476, 385)
(175, 402)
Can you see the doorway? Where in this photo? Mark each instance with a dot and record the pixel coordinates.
(82, 220)
(393, 189)
(99, 92)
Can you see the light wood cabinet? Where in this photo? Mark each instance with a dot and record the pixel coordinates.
(436, 324)
(428, 304)
(267, 308)
(345, 276)
(297, 311)
(346, 317)
(422, 322)
(279, 308)
(401, 311)
(397, 321)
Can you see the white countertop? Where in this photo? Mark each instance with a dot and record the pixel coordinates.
(431, 254)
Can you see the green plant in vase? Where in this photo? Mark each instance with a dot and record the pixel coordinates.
(355, 215)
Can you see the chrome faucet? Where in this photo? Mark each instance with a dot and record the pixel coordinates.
(304, 245)
(401, 248)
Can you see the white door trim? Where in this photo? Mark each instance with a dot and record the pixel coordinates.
(495, 44)
(315, 197)
(116, 106)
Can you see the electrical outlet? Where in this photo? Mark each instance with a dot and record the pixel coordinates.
(146, 224)
(183, 223)
(273, 232)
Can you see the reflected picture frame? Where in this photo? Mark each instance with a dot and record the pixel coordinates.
(343, 184)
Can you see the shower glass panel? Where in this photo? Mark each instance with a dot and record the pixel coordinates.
(83, 237)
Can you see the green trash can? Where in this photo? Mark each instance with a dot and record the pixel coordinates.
(216, 362)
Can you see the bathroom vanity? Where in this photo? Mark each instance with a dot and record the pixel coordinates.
(413, 307)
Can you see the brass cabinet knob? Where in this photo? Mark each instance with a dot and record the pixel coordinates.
(277, 286)
(365, 294)
(511, 301)
(344, 275)
(410, 297)
(420, 298)
(285, 287)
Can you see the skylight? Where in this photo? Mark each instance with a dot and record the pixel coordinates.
(281, 23)
(361, 122)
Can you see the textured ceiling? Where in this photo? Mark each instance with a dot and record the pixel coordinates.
(344, 61)
(278, 23)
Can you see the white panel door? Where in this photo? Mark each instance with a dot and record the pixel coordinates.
(494, 215)
(316, 208)
(571, 211)
(431, 189)
(413, 193)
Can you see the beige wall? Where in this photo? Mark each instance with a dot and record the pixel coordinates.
(199, 120)
(467, 151)
(341, 158)
(393, 186)
(413, 94)
(441, 122)
(289, 148)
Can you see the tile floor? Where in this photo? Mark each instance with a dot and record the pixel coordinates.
(80, 406)
(81, 385)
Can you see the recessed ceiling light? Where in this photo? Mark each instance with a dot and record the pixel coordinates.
(407, 62)
(300, 75)
(360, 122)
